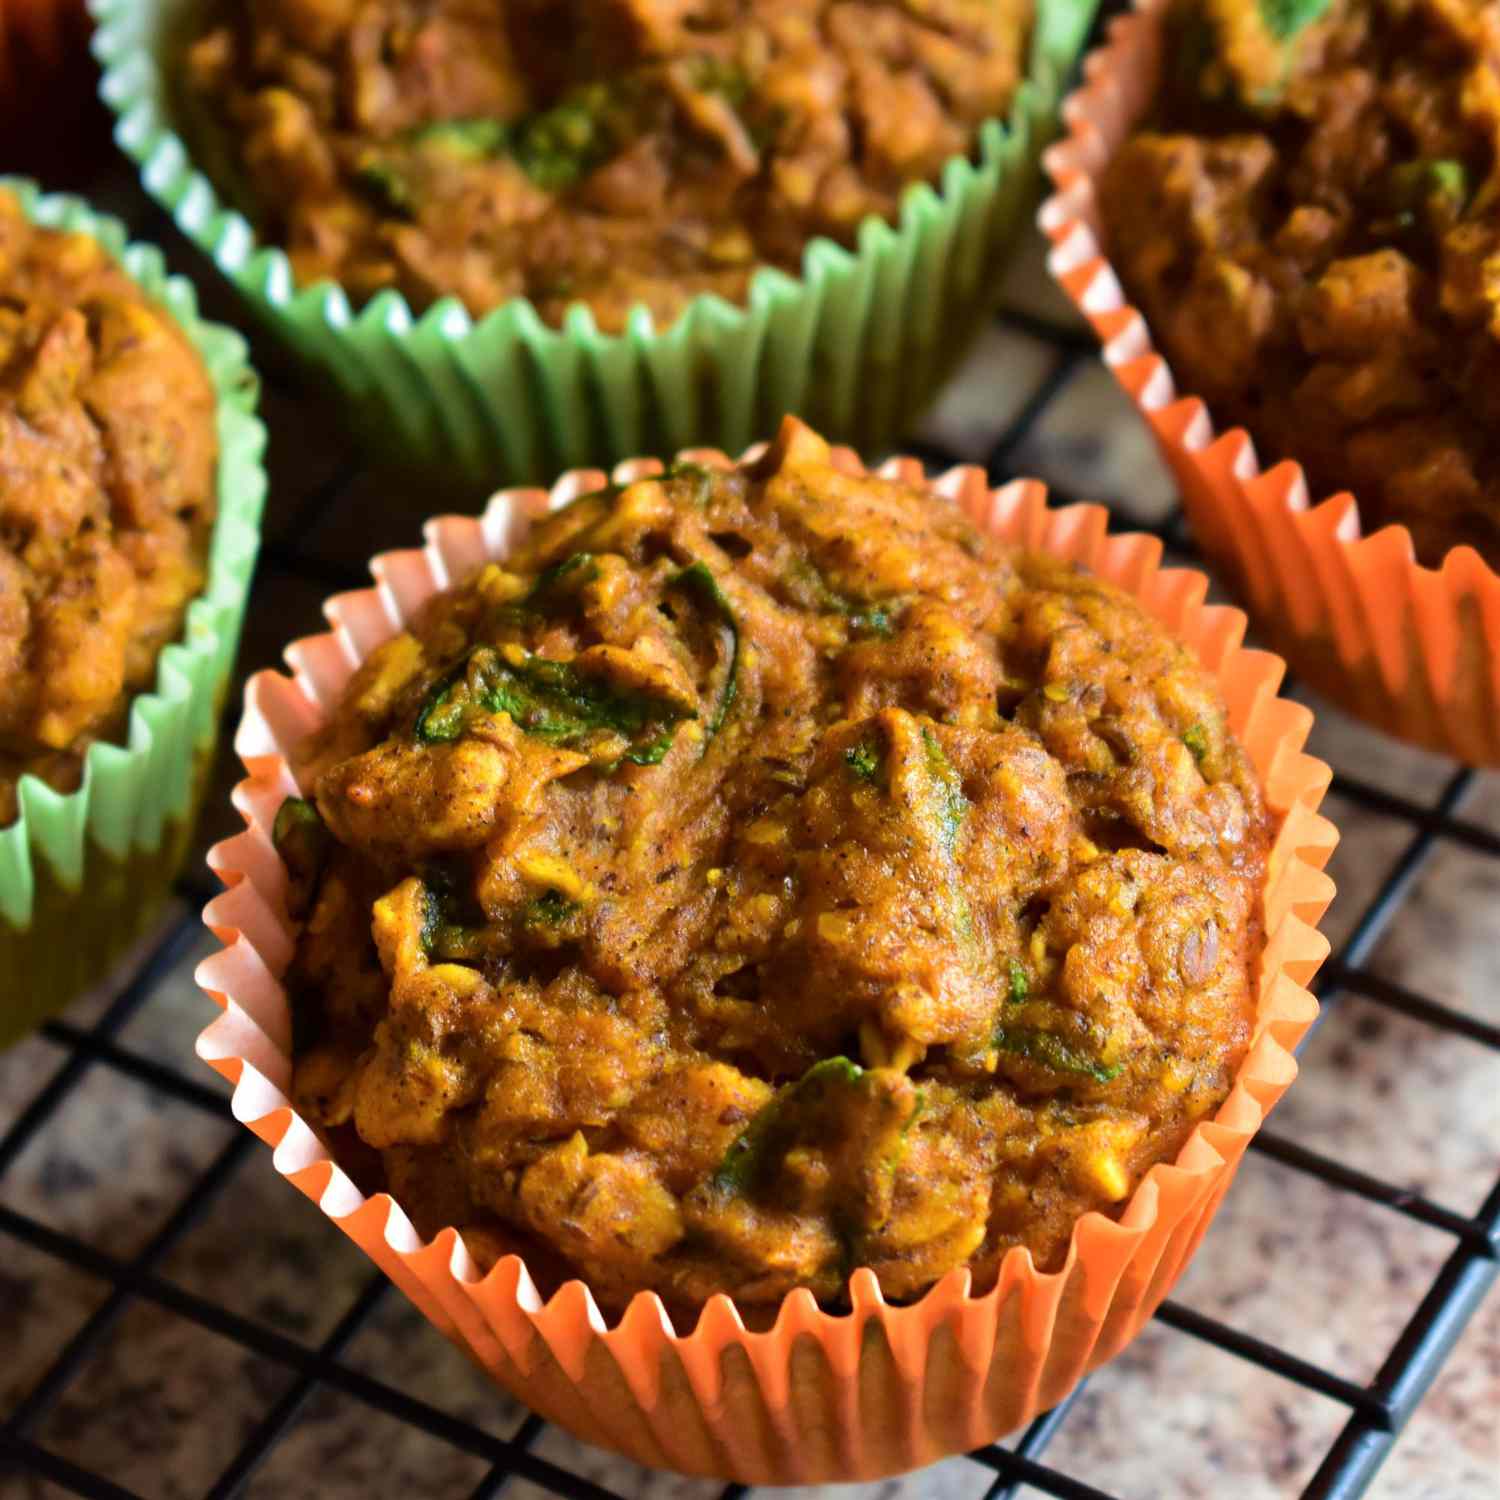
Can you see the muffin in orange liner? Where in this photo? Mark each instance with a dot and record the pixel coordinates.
(1410, 649)
(817, 1397)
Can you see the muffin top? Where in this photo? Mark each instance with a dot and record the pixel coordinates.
(1309, 220)
(108, 453)
(762, 873)
(609, 151)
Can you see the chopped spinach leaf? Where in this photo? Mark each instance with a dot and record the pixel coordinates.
(1195, 737)
(864, 759)
(950, 806)
(555, 147)
(715, 75)
(1285, 18)
(384, 183)
(1020, 982)
(549, 699)
(752, 1155)
(698, 578)
(303, 842)
(565, 577)
(452, 924)
(551, 909)
(554, 586)
(471, 139)
(558, 147)
(1412, 183)
(702, 476)
(865, 617)
(874, 620)
(1048, 1050)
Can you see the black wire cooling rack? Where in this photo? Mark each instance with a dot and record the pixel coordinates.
(304, 491)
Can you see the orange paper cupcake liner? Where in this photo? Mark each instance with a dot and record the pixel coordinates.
(818, 1397)
(1410, 649)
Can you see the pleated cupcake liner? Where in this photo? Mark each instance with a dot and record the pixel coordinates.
(818, 1397)
(84, 873)
(857, 344)
(1413, 650)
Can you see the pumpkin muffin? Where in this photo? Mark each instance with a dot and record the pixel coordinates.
(1309, 219)
(108, 463)
(608, 151)
(763, 874)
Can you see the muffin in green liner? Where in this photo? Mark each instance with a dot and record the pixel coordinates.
(84, 873)
(857, 344)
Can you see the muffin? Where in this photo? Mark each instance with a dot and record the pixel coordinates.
(664, 287)
(1305, 216)
(777, 599)
(107, 496)
(1383, 598)
(130, 495)
(595, 150)
(764, 873)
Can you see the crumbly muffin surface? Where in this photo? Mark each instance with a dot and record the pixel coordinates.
(108, 452)
(1310, 221)
(762, 874)
(614, 151)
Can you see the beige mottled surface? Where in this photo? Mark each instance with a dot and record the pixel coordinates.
(162, 1406)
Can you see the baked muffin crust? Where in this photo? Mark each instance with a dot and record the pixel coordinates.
(762, 874)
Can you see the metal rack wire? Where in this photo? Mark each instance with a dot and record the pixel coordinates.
(1375, 1411)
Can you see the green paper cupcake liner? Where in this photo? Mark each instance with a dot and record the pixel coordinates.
(83, 874)
(856, 345)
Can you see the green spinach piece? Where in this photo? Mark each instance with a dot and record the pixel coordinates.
(1048, 1050)
(698, 578)
(549, 699)
(1195, 737)
(715, 75)
(749, 1160)
(472, 139)
(555, 147)
(564, 577)
(702, 476)
(865, 759)
(304, 843)
(1020, 982)
(1285, 18)
(874, 619)
(554, 587)
(550, 910)
(558, 147)
(452, 923)
(865, 617)
(950, 806)
(1411, 184)
(385, 184)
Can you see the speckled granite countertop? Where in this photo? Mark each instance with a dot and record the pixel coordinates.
(162, 1406)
